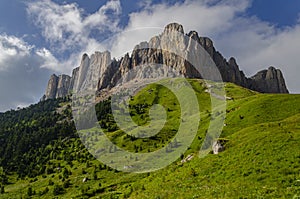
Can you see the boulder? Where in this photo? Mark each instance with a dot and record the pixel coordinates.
(217, 147)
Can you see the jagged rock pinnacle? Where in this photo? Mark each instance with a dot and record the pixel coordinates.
(174, 27)
(100, 71)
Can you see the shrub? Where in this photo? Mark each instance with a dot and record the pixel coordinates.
(2, 191)
(50, 182)
(58, 189)
(67, 184)
(30, 192)
(46, 190)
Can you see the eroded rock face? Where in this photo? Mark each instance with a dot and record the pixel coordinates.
(100, 71)
(52, 87)
(173, 27)
(58, 86)
(63, 86)
(82, 73)
(269, 81)
(74, 78)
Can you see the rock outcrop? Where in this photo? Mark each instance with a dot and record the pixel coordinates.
(217, 147)
(100, 71)
(51, 88)
(63, 86)
(74, 78)
(58, 86)
(268, 81)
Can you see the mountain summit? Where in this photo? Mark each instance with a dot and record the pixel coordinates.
(107, 71)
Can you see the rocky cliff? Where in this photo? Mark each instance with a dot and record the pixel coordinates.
(63, 86)
(58, 86)
(107, 71)
(51, 88)
(270, 81)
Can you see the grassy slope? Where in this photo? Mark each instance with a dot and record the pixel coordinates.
(261, 160)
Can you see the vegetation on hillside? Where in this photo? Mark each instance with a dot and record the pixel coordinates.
(41, 155)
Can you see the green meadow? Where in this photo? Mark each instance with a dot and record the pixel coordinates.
(42, 155)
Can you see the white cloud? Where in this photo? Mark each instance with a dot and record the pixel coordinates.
(193, 15)
(50, 61)
(281, 50)
(14, 49)
(10, 46)
(21, 77)
(67, 29)
(56, 20)
(100, 18)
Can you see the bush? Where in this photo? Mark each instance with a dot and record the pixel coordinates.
(46, 190)
(2, 191)
(50, 182)
(58, 189)
(65, 173)
(67, 184)
(95, 177)
(30, 191)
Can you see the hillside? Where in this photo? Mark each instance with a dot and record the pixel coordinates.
(42, 156)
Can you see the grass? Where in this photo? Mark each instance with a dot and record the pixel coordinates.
(261, 157)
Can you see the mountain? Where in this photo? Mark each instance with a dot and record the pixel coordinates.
(100, 71)
(41, 155)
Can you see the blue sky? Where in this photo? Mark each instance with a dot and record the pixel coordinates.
(38, 38)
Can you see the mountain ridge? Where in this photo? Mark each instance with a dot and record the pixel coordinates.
(107, 71)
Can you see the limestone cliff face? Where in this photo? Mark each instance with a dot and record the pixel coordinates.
(82, 73)
(51, 88)
(58, 86)
(63, 86)
(268, 81)
(95, 71)
(74, 78)
(100, 71)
